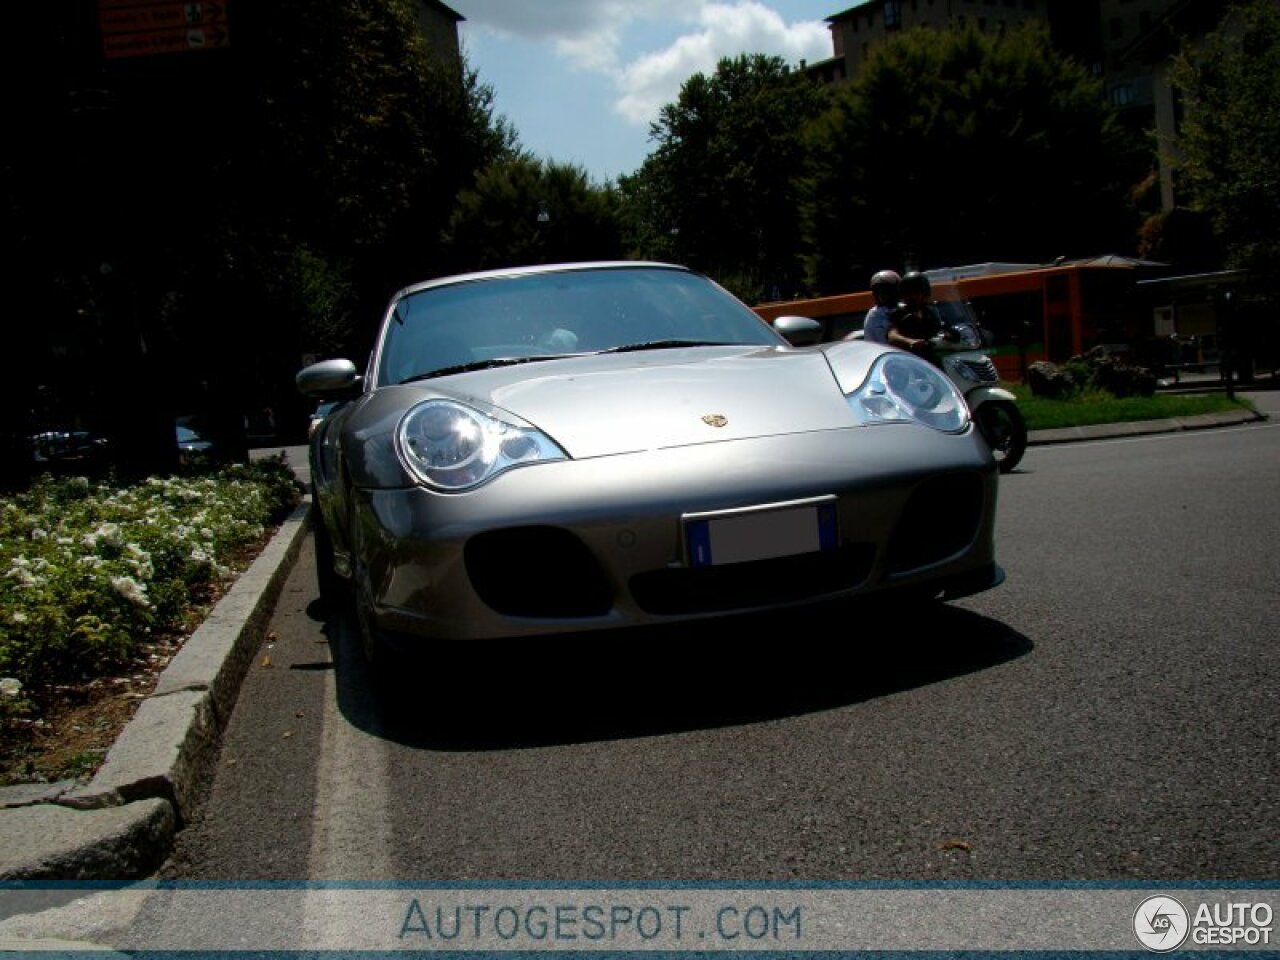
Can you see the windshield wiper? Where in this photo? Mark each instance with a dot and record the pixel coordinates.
(484, 365)
(663, 345)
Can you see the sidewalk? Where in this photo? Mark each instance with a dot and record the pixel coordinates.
(121, 824)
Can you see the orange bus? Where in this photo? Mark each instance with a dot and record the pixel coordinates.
(1031, 313)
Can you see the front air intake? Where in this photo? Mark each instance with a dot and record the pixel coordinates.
(537, 572)
(940, 519)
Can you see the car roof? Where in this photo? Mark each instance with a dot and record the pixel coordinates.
(534, 270)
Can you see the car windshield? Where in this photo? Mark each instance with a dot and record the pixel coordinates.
(519, 319)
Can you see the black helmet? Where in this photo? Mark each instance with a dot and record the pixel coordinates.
(915, 282)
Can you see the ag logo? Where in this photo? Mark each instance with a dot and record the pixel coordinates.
(1161, 923)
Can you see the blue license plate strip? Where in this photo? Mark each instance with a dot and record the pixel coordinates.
(761, 534)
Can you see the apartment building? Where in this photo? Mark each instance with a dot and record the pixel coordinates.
(855, 31)
(1138, 63)
(1127, 44)
(1113, 38)
(439, 25)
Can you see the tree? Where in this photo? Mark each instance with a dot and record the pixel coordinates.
(360, 141)
(721, 190)
(960, 146)
(192, 224)
(522, 210)
(1230, 135)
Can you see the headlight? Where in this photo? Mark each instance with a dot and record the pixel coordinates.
(451, 446)
(967, 336)
(906, 389)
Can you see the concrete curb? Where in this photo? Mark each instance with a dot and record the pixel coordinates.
(121, 825)
(1138, 428)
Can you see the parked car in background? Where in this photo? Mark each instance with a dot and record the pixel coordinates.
(598, 445)
(321, 411)
(193, 447)
(62, 446)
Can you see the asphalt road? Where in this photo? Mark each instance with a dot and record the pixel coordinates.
(1110, 713)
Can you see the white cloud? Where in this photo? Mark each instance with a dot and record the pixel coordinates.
(587, 33)
(591, 35)
(724, 30)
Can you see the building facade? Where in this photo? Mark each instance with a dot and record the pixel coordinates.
(439, 25)
(856, 30)
(1127, 44)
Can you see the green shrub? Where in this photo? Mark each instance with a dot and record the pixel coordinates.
(90, 572)
(1095, 370)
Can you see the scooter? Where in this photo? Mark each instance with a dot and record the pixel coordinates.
(959, 350)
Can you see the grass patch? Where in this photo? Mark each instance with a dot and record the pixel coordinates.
(1097, 406)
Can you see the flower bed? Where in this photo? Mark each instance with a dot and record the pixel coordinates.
(95, 576)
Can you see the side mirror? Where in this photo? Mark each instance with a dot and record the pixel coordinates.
(799, 331)
(329, 379)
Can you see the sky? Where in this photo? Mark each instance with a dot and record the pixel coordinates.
(580, 81)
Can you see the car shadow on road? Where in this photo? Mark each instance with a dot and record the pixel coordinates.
(648, 682)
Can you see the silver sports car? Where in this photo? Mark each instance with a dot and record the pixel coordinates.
(594, 445)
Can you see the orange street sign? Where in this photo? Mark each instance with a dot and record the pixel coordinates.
(176, 40)
(158, 16)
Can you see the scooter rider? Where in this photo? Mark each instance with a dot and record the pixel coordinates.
(884, 290)
(915, 322)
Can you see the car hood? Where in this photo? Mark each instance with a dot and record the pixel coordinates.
(608, 404)
(621, 403)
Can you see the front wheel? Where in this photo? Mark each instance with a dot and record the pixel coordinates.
(1002, 426)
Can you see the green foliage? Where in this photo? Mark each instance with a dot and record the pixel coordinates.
(1182, 238)
(721, 191)
(959, 146)
(1093, 406)
(357, 142)
(522, 210)
(90, 572)
(1230, 135)
(1090, 373)
(257, 203)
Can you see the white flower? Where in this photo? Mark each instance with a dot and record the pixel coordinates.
(140, 561)
(20, 569)
(18, 617)
(38, 534)
(10, 687)
(131, 590)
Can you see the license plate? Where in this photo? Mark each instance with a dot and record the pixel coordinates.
(761, 533)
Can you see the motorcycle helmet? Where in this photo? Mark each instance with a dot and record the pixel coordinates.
(917, 283)
(884, 286)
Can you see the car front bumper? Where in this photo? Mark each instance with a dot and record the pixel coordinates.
(590, 544)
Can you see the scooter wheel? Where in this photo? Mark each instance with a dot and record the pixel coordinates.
(1004, 430)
